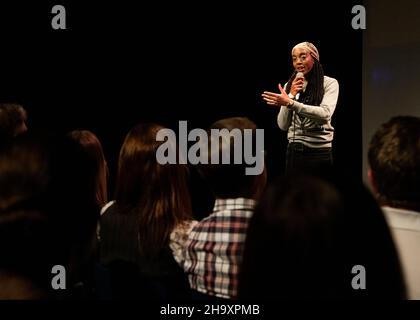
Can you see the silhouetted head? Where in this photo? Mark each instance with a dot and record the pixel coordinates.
(29, 242)
(394, 159)
(12, 120)
(158, 194)
(235, 137)
(95, 160)
(307, 235)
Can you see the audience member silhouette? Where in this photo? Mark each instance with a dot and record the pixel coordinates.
(12, 121)
(313, 239)
(394, 159)
(28, 244)
(46, 219)
(212, 253)
(99, 171)
(151, 203)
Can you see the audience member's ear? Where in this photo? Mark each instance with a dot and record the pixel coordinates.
(372, 181)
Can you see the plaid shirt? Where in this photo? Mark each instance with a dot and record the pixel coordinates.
(214, 249)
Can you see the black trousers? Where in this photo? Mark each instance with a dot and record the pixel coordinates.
(306, 160)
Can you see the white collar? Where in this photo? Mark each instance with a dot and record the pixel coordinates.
(402, 218)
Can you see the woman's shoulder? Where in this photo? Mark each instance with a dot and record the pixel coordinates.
(330, 84)
(329, 80)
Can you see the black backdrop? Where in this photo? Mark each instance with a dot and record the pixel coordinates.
(118, 64)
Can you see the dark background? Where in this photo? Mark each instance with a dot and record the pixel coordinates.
(118, 64)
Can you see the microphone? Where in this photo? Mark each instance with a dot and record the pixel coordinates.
(305, 83)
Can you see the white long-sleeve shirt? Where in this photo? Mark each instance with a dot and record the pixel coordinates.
(311, 125)
(405, 228)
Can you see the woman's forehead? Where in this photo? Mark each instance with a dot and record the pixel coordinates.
(298, 51)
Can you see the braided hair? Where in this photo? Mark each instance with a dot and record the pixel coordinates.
(314, 92)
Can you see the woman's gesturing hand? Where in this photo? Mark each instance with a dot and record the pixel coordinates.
(277, 99)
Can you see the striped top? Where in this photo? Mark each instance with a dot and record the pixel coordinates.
(311, 125)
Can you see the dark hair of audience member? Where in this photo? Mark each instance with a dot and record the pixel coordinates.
(394, 159)
(29, 245)
(72, 207)
(305, 237)
(157, 194)
(98, 173)
(12, 121)
(230, 180)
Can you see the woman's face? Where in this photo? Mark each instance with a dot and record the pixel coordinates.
(302, 60)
